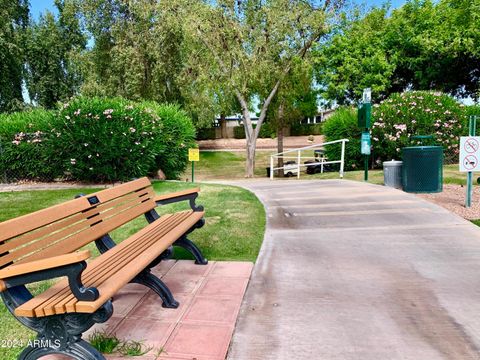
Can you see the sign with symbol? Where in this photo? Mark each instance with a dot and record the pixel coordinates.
(365, 143)
(469, 153)
(471, 145)
(470, 162)
(193, 155)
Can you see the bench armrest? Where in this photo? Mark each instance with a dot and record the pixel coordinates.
(44, 264)
(69, 265)
(189, 194)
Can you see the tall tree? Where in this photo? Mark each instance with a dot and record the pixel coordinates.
(295, 99)
(52, 45)
(249, 47)
(423, 45)
(355, 58)
(136, 52)
(13, 22)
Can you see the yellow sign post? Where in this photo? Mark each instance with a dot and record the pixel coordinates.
(193, 155)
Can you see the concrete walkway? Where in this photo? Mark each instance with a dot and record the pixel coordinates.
(357, 271)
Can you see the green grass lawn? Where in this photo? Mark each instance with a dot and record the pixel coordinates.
(235, 224)
(218, 165)
(222, 165)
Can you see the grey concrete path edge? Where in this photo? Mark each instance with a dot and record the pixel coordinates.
(349, 270)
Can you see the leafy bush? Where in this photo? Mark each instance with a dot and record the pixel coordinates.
(114, 139)
(343, 125)
(305, 129)
(473, 110)
(266, 131)
(96, 140)
(175, 136)
(411, 113)
(206, 134)
(25, 152)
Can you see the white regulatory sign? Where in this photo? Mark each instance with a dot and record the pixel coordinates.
(470, 153)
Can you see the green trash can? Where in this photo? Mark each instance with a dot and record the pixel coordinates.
(422, 170)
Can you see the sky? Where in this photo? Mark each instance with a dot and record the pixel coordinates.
(39, 6)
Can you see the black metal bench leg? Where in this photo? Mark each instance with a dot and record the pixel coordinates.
(57, 334)
(158, 286)
(188, 245)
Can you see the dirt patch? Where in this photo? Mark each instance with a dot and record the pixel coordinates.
(290, 142)
(452, 198)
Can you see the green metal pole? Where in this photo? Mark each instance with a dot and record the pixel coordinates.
(366, 168)
(471, 132)
(193, 171)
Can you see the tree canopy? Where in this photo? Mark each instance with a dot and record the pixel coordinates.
(52, 46)
(13, 22)
(422, 45)
(225, 56)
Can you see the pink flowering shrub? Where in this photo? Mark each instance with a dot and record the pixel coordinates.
(24, 148)
(93, 139)
(401, 116)
(116, 139)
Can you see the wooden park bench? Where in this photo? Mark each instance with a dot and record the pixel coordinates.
(43, 245)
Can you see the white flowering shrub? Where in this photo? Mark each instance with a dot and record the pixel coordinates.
(411, 113)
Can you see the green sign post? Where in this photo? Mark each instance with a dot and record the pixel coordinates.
(471, 132)
(364, 117)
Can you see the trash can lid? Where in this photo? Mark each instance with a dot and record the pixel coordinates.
(392, 162)
(417, 148)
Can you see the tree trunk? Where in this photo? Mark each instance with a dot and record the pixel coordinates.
(250, 163)
(223, 126)
(280, 127)
(280, 149)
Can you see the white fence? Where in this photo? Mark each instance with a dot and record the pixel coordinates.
(323, 161)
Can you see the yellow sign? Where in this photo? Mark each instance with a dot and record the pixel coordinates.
(193, 155)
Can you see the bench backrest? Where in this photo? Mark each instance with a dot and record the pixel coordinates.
(67, 227)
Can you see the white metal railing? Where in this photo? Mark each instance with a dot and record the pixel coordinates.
(323, 161)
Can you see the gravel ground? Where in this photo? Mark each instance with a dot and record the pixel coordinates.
(453, 199)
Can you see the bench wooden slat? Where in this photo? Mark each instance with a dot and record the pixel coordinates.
(79, 229)
(79, 240)
(131, 255)
(177, 194)
(60, 290)
(112, 261)
(39, 233)
(65, 223)
(23, 224)
(115, 282)
(44, 264)
(135, 249)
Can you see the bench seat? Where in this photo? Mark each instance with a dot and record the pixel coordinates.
(50, 244)
(112, 270)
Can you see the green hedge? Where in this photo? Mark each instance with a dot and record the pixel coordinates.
(343, 125)
(305, 129)
(266, 131)
(206, 134)
(97, 139)
(473, 110)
